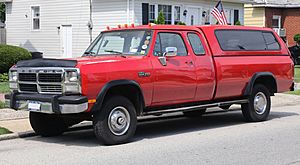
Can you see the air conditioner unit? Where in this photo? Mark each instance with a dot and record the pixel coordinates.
(282, 32)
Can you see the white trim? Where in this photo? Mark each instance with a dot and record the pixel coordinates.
(32, 17)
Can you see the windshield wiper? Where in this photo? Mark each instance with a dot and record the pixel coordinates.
(89, 54)
(116, 52)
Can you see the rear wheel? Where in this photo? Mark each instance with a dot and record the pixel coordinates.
(116, 122)
(47, 124)
(258, 108)
(196, 113)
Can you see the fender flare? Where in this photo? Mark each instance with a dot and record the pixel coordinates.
(252, 81)
(101, 96)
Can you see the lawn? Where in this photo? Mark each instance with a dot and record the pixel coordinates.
(297, 74)
(297, 92)
(4, 88)
(2, 105)
(4, 131)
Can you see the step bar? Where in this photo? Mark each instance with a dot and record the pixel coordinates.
(195, 107)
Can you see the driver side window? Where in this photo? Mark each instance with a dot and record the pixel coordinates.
(164, 40)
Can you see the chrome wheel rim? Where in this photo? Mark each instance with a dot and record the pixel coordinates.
(260, 103)
(119, 121)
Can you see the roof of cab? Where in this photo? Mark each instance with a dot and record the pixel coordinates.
(181, 27)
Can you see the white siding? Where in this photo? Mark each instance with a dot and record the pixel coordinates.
(54, 13)
(185, 4)
(110, 13)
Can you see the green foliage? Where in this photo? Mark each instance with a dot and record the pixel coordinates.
(2, 12)
(4, 130)
(238, 23)
(4, 87)
(297, 38)
(180, 23)
(160, 19)
(3, 77)
(10, 55)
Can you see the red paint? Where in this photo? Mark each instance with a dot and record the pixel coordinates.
(217, 74)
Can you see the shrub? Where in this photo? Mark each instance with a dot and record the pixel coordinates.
(297, 38)
(180, 23)
(160, 19)
(238, 23)
(10, 55)
(3, 77)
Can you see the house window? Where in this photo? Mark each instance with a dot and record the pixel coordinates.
(167, 10)
(176, 14)
(35, 10)
(276, 21)
(151, 13)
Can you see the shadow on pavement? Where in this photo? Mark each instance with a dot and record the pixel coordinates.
(159, 127)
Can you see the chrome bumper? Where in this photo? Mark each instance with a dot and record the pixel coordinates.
(58, 105)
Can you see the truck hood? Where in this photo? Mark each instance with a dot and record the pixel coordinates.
(74, 62)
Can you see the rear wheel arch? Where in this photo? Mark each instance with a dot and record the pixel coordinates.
(127, 88)
(264, 78)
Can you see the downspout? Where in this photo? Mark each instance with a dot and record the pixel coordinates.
(128, 10)
(90, 23)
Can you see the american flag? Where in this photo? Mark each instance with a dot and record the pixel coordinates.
(219, 14)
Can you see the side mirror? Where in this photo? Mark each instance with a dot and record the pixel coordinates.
(170, 52)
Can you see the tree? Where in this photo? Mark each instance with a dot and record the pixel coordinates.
(160, 19)
(2, 12)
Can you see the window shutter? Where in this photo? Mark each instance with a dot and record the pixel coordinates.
(145, 13)
(236, 16)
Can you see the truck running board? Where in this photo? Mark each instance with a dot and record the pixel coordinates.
(195, 107)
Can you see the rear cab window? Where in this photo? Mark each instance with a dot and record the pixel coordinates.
(246, 40)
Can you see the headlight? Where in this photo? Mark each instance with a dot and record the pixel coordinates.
(72, 76)
(72, 82)
(13, 76)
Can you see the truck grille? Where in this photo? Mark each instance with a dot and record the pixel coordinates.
(49, 77)
(27, 77)
(28, 87)
(43, 81)
(51, 88)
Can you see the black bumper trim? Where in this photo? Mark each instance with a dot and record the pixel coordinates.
(55, 100)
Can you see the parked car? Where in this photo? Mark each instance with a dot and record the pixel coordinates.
(149, 70)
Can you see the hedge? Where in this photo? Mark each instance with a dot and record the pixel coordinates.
(10, 55)
(297, 38)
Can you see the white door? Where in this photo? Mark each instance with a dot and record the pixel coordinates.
(193, 16)
(66, 41)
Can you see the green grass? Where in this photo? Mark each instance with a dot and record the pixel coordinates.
(4, 88)
(297, 74)
(4, 131)
(297, 92)
(2, 105)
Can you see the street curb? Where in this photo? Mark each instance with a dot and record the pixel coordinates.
(17, 135)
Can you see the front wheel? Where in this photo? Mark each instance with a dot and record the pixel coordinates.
(116, 122)
(259, 105)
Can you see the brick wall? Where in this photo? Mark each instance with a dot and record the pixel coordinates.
(290, 19)
(292, 24)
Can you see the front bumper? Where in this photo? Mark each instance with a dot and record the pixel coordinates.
(51, 104)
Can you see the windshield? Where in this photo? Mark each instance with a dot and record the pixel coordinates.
(135, 42)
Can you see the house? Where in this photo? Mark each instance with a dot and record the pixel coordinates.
(65, 28)
(281, 15)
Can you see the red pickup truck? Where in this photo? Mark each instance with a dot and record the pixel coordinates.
(151, 70)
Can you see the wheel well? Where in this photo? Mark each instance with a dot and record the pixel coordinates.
(132, 92)
(269, 82)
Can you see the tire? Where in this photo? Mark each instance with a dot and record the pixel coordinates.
(194, 114)
(259, 105)
(225, 107)
(47, 125)
(117, 111)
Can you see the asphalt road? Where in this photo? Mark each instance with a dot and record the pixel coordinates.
(222, 138)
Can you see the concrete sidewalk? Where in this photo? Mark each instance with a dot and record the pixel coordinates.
(18, 122)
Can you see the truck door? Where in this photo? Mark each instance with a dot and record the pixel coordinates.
(174, 82)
